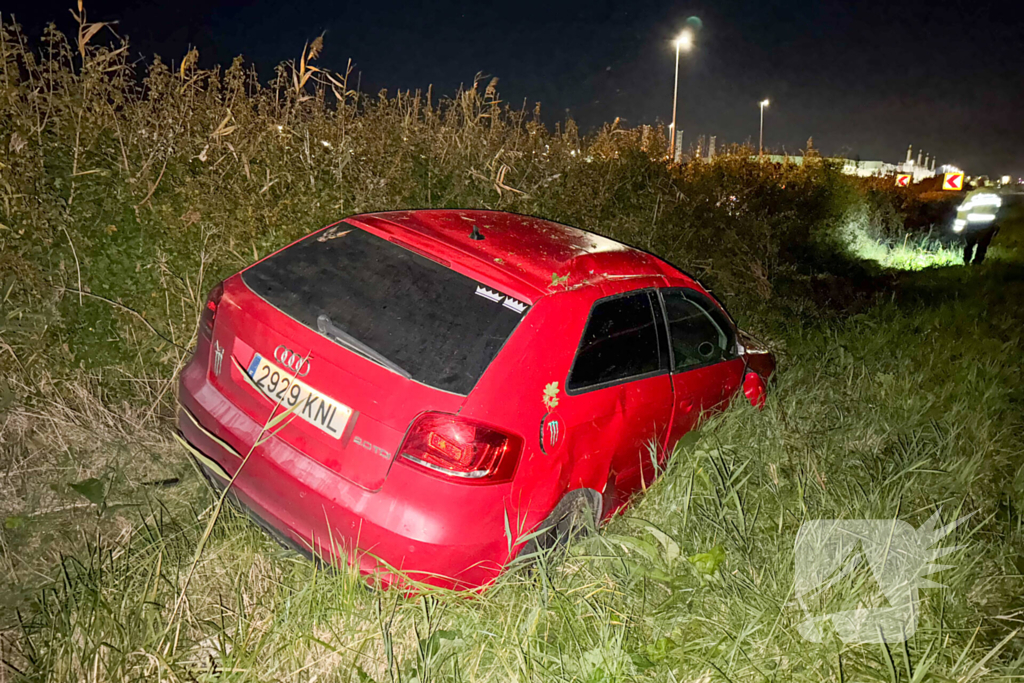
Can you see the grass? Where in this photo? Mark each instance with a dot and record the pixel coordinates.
(905, 409)
(906, 255)
(899, 394)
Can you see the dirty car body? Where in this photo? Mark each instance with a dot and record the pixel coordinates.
(414, 392)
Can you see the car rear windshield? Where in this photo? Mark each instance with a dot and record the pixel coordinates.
(441, 327)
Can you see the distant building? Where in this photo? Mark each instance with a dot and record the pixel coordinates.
(923, 167)
(868, 169)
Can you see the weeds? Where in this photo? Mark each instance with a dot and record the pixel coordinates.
(125, 196)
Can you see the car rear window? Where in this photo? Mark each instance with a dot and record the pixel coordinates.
(440, 326)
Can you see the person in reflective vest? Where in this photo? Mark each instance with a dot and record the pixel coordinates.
(976, 221)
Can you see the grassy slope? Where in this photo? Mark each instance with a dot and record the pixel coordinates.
(910, 406)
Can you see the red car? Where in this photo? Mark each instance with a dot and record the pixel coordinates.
(415, 391)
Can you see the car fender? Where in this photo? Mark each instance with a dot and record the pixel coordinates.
(572, 503)
(588, 470)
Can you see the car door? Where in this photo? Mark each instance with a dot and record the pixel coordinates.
(707, 368)
(619, 392)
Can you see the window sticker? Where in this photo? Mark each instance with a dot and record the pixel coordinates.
(517, 306)
(497, 297)
(489, 294)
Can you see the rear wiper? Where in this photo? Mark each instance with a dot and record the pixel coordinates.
(328, 328)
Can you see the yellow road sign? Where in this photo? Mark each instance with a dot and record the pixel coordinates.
(953, 181)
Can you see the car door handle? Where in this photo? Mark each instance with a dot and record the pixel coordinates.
(686, 404)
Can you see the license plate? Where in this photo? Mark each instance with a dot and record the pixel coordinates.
(282, 387)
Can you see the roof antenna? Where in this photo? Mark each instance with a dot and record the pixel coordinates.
(475, 235)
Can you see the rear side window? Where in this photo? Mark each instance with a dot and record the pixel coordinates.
(622, 340)
(440, 326)
(700, 333)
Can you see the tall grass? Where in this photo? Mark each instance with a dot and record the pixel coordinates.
(878, 416)
(125, 196)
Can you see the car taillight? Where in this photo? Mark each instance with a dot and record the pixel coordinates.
(209, 314)
(464, 449)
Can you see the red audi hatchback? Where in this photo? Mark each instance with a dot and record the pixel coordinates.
(414, 392)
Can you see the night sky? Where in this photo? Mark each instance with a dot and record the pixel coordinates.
(864, 78)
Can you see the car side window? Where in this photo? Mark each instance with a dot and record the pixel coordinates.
(699, 333)
(621, 341)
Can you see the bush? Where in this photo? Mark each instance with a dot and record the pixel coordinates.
(128, 195)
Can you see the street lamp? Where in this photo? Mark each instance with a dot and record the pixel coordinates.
(760, 140)
(683, 43)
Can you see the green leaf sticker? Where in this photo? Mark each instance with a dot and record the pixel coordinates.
(551, 395)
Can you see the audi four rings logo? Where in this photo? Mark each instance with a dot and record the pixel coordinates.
(286, 356)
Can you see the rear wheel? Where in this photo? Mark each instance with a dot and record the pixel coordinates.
(576, 515)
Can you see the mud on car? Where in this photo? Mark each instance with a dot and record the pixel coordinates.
(393, 390)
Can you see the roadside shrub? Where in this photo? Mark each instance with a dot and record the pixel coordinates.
(126, 196)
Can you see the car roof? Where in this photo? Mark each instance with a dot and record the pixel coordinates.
(521, 252)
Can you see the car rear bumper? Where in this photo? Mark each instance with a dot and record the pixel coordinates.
(415, 528)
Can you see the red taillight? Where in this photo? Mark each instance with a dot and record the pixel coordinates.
(462, 449)
(209, 314)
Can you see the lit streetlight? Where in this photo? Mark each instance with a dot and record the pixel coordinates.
(760, 140)
(683, 43)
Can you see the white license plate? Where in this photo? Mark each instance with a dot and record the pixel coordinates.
(284, 388)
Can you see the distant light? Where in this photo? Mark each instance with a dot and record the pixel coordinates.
(980, 217)
(684, 41)
(764, 102)
(1006, 180)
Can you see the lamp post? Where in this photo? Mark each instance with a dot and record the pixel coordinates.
(683, 43)
(760, 140)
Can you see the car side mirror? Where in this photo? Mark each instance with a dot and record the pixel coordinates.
(755, 390)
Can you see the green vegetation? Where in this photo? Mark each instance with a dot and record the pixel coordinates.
(124, 199)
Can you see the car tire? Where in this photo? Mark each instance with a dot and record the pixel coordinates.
(576, 515)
